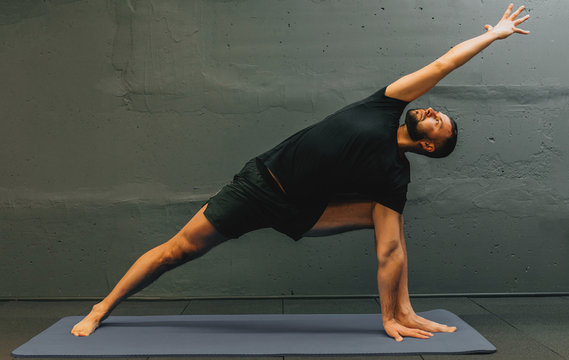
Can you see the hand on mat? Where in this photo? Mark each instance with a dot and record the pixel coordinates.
(417, 322)
(396, 330)
(507, 25)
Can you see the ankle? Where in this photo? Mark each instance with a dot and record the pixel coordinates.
(99, 310)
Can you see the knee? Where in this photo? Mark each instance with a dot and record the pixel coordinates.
(184, 247)
(181, 249)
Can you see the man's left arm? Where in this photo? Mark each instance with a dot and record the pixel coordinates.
(404, 312)
(403, 306)
(412, 86)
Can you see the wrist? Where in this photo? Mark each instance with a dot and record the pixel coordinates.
(491, 35)
(404, 310)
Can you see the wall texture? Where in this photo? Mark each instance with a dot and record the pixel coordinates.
(120, 118)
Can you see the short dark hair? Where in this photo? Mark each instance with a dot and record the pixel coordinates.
(448, 145)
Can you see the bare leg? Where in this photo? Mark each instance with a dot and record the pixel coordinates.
(194, 240)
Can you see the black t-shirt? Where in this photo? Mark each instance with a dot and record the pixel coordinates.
(353, 151)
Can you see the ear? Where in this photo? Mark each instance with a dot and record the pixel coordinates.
(427, 145)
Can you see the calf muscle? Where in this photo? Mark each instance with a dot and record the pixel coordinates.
(145, 270)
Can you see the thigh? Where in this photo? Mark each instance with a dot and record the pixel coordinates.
(237, 210)
(200, 230)
(343, 215)
(196, 238)
(247, 203)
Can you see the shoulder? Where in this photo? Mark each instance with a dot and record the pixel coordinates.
(383, 96)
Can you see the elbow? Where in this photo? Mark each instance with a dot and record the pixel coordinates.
(444, 66)
(391, 255)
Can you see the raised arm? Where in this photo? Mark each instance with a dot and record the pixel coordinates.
(412, 86)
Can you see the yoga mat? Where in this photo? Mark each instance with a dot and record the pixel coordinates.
(249, 335)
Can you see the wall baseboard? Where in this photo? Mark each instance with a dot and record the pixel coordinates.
(296, 297)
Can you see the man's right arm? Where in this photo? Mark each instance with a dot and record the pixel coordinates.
(390, 258)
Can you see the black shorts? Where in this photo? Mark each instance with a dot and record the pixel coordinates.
(254, 201)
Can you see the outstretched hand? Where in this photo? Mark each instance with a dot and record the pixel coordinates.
(508, 24)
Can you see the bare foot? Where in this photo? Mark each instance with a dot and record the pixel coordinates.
(88, 325)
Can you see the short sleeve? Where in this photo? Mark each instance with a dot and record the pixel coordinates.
(379, 97)
(395, 200)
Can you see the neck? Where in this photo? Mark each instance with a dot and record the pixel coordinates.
(404, 141)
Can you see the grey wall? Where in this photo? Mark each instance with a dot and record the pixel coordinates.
(120, 118)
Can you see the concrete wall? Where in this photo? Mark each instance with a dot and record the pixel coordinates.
(120, 118)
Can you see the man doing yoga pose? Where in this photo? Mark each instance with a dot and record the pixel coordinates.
(295, 188)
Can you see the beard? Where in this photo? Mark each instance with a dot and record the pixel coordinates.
(412, 122)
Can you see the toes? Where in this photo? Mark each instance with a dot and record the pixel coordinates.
(78, 333)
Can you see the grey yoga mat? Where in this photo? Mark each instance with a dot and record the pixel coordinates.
(249, 335)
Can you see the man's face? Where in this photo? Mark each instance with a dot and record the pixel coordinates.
(428, 124)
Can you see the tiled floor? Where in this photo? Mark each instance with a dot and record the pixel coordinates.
(519, 327)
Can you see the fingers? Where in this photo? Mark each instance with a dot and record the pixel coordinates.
(488, 27)
(421, 328)
(417, 333)
(517, 12)
(508, 11)
(397, 332)
(391, 331)
(394, 334)
(519, 21)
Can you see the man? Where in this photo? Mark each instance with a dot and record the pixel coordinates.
(294, 188)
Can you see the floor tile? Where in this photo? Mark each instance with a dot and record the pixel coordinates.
(544, 319)
(457, 305)
(510, 342)
(211, 358)
(359, 357)
(331, 306)
(142, 308)
(44, 309)
(234, 306)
